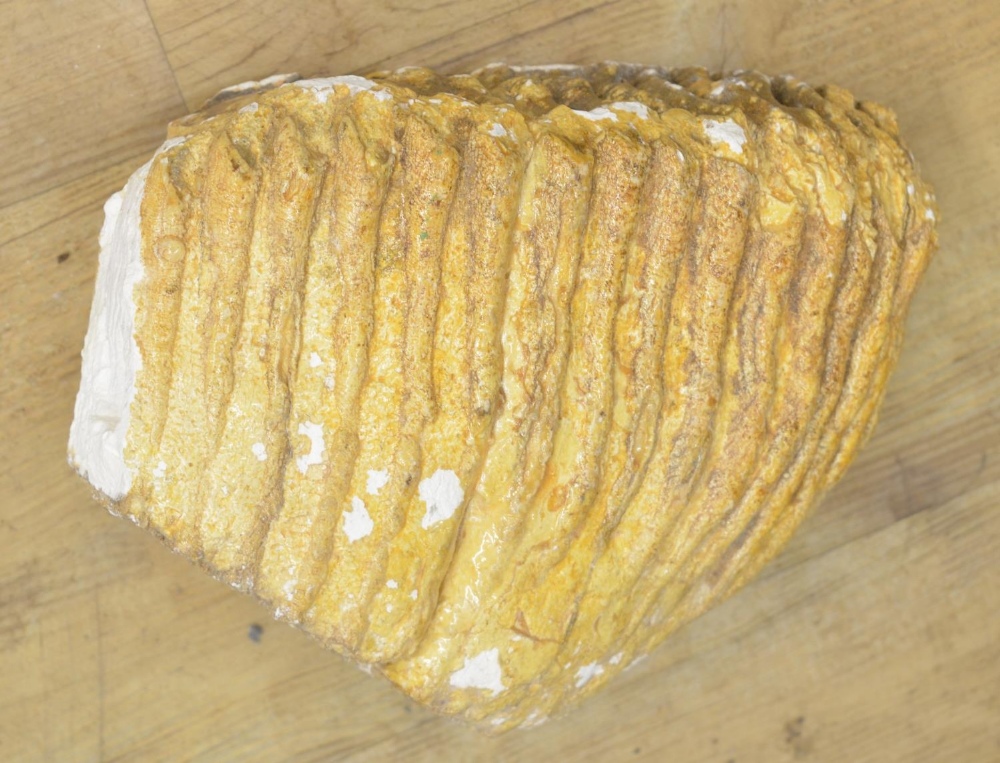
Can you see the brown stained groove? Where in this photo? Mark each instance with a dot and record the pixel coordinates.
(499, 403)
(882, 308)
(744, 525)
(853, 318)
(408, 389)
(171, 313)
(870, 132)
(552, 565)
(337, 127)
(693, 480)
(686, 242)
(673, 481)
(353, 424)
(229, 379)
(866, 418)
(395, 182)
(537, 275)
(297, 309)
(270, 364)
(610, 495)
(424, 418)
(667, 311)
(790, 512)
(559, 383)
(188, 513)
(255, 539)
(464, 183)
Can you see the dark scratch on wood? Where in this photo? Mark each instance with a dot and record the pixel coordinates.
(100, 675)
(724, 36)
(205, 17)
(163, 51)
(450, 34)
(506, 42)
(236, 64)
(144, 154)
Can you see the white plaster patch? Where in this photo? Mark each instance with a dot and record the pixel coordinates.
(727, 132)
(358, 523)
(377, 479)
(391, 584)
(315, 360)
(540, 67)
(442, 493)
(586, 673)
(498, 130)
(617, 658)
(111, 358)
(534, 719)
(929, 214)
(274, 79)
(633, 107)
(250, 108)
(413, 594)
(160, 471)
(636, 661)
(259, 451)
(480, 672)
(321, 88)
(596, 115)
(316, 446)
(170, 143)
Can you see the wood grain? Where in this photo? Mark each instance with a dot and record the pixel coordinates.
(875, 635)
(85, 85)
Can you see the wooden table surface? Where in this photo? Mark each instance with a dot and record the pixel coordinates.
(875, 636)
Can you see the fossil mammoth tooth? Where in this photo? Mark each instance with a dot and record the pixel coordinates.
(491, 381)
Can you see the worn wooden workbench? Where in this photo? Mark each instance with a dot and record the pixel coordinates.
(876, 635)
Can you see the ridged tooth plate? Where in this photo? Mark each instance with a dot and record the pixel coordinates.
(494, 380)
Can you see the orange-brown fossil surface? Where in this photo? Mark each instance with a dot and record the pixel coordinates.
(491, 381)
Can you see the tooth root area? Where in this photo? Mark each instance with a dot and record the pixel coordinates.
(493, 380)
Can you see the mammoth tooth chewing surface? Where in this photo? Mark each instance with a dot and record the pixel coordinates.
(492, 381)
